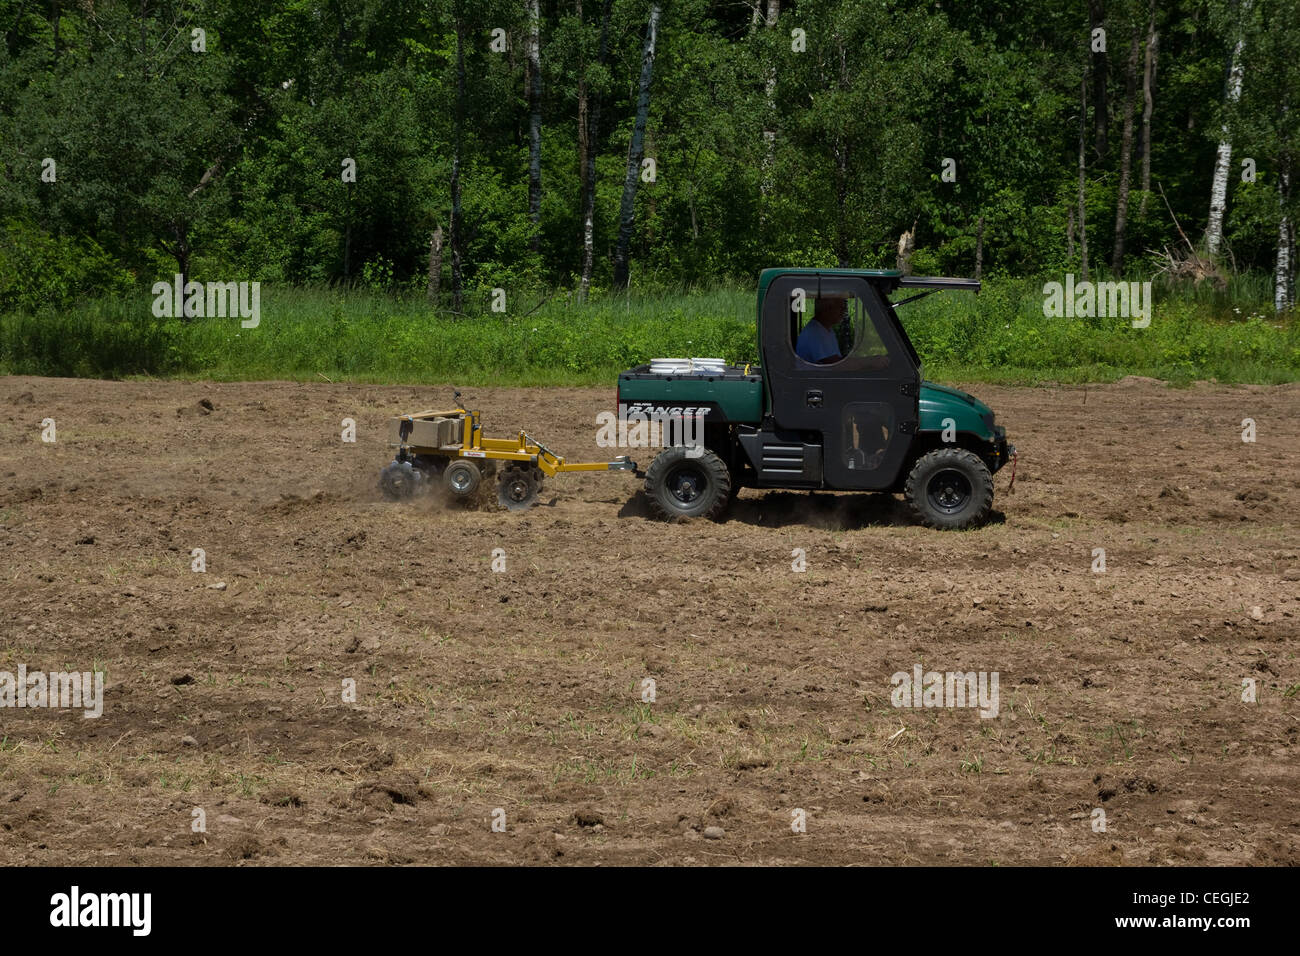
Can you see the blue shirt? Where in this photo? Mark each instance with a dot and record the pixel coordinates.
(816, 342)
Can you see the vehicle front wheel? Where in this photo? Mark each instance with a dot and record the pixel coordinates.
(680, 485)
(462, 478)
(950, 488)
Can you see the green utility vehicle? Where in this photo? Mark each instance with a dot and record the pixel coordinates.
(839, 403)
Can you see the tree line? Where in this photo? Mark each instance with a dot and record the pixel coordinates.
(450, 146)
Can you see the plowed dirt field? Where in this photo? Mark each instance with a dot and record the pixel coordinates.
(516, 696)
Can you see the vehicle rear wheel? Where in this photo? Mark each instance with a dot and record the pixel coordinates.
(681, 486)
(950, 488)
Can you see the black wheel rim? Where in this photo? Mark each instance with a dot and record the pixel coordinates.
(685, 485)
(518, 489)
(398, 481)
(949, 491)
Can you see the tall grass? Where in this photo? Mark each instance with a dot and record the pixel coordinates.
(999, 335)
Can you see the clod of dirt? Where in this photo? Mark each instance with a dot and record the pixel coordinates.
(720, 807)
(714, 833)
(385, 855)
(384, 794)
(545, 848)
(217, 586)
(182, 680)
(587, 818)
(1176, 494)
(188, 741)
(245, 847)
(360, 756)
(203, 406)
(88, 539)
(283, 798)
(1103, 854)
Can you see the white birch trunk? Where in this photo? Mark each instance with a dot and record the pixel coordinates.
(1223, 159)
(1283, 292)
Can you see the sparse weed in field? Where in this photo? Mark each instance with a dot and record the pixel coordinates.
(1119, 734)
(247, 784)
(1048, 756)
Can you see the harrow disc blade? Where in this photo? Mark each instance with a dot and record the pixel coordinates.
(518, 488)
(399, 480)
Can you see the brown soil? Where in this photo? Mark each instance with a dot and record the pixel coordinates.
(521, 690)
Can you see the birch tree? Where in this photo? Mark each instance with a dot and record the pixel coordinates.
(1126, 155)
(535, 122)
(1223, 158)
(769, 131)
(589, 117)
(1284, 268)
(1148, 103)
(627, 210)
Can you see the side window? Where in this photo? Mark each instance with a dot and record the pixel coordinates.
(870, 346)
(832, 328)
(867, 429)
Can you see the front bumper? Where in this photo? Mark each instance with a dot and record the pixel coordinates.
(1003, 451)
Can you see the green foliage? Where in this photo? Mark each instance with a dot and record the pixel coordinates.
(1001, 334)
(228, 161)
(98, 343)
(226, 165)
(40, 271)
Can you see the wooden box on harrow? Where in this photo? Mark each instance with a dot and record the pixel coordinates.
(427, 430)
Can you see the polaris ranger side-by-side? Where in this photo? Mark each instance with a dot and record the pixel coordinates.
(861, 418)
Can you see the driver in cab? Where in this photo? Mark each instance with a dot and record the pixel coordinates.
(817, 342)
